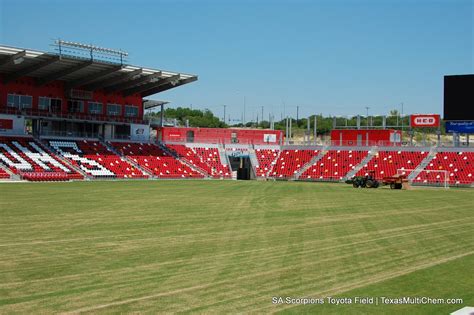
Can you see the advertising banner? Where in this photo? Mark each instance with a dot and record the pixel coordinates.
(423, 121)
(12, 124)
(6, 124)
(460, 126)
(268, 137)
(139, 132)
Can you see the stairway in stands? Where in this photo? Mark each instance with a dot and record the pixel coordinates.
(46, 145)
(423, 164)
(274, 162)
(253, 160)
(313, 161)
(373, 152)
(5, 173)
(177, 151)
(142, 168)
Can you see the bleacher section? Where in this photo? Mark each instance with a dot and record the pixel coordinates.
(212, 158)
(188, 154)
(290, 161)
(266, 158)
(153, 159)
(60, 160)
(95, 159)
(334, 165)
(459, 167)
(386, 163)
(4, 174)
(29, 159)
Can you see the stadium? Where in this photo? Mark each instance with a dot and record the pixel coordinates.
(104, 210)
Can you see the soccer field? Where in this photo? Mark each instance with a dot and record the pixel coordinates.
(226, 246)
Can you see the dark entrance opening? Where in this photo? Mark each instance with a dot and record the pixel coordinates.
(242, 165)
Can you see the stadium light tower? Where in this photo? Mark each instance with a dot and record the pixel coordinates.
(244, 105)
(367, 109)
(245, 101)
(76, 49)
(224, 113)
(402, 119)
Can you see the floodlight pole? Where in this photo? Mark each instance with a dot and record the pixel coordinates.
(244, 110)
(291, 128)
(308, 134)
(162, 115)
(315, 128)
(367, 109)
(297, 114)
(402, 122)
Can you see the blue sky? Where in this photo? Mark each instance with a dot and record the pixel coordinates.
(329, 57)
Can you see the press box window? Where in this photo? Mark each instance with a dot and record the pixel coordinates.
(19, 101)
(114, 109)
(75, 106)
(95, 108)
(131, 111)
(44, 103)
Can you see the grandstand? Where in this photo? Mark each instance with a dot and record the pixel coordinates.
(458, 165)
(266, 160)
(87, 122)
(386, 162)
(155, 160)
(335, 165)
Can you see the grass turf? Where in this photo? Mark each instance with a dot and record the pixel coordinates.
(224, 246)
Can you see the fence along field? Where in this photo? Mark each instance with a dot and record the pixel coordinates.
(224, 246)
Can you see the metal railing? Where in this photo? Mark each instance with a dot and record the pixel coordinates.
(70, 134)
(71, 116)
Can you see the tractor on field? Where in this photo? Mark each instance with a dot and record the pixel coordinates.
(367, 181)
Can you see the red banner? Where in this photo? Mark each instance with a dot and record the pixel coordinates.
(428, 120)
(6, 124)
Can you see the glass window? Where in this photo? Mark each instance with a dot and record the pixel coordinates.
(56, 105)
(26, 101)
(114, 109)
(43, 103)
(74, 106)
(95, 108)
(131, 111)
(13, 100)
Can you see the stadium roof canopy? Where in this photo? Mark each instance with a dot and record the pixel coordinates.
(149, 104)
(86, 73)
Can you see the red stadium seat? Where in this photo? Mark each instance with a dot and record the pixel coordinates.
(290, 161)
(155, 160)
(266, 159)
(4, 174)
(458, 165)
(96, 159)
(29, 159)
(386, 163)
(334, 165)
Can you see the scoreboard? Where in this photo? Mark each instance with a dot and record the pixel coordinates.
(459, 97)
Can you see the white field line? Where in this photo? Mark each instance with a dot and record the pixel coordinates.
(379, 278)
(332, 291)
(321, 220)
(194, 261)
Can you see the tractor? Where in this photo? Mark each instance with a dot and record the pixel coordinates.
(368, 181)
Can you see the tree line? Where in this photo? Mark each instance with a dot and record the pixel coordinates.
(206, 119)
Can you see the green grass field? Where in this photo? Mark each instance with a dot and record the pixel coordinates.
(224, 246)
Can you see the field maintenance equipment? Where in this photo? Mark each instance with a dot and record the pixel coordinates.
(367, 181)
(395, 181)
